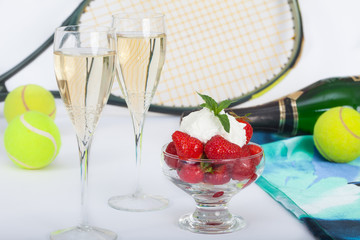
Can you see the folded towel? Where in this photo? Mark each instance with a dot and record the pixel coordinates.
(323, 195)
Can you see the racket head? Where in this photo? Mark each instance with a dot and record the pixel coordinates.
(212, 47)
(225, 49)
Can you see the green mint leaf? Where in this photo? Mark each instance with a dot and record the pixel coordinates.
(224, 104)
(224, 121)
(209, 102)
(204, 105)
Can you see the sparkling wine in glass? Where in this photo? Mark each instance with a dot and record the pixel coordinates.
(84, 59)
(141, 46)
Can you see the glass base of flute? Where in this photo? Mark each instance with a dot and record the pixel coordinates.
(138, 201)
(83, 232)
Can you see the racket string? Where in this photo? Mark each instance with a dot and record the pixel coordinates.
(227, 48)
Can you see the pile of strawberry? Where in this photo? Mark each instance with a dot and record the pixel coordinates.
(219, 170)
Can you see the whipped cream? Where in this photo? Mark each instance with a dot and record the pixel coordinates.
(203, 125)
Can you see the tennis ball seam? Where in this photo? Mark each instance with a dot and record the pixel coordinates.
(27, 107)
(20, 162)
(321, 150)
(42, 133)
(23, 98)
(345, 126)
(53, 112)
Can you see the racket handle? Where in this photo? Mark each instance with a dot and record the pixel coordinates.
(297, 112)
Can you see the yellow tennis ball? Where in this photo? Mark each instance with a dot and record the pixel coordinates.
(32, 140)
(29, 97)
(337, 134)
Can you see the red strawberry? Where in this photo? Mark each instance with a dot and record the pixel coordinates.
(171, 161)
(190, 172)
(187, 146)
(218, 194)
(255, 150)
(243, 169)
(251, 180)
(220, 148)
(248, 128)
(219, 175)
(245, 151)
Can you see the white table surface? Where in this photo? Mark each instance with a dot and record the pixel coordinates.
(34, 203)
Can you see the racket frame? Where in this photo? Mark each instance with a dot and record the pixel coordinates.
(118, 101)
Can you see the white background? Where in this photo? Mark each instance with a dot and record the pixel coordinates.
(34, 203)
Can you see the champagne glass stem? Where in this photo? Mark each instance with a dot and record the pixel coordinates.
(84, 60)
(84, 151)
(138, 201)
(138, 123)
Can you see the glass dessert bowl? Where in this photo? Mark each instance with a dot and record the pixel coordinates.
(212, 184)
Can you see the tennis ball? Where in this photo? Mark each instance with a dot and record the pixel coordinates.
(26, 98)
(337, 134)
(32, 140)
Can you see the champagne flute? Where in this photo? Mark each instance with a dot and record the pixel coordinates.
(84, 59)
(141, 45)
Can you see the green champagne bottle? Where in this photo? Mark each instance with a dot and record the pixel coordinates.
(297, 112)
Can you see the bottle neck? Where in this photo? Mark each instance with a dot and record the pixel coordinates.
(278, 116)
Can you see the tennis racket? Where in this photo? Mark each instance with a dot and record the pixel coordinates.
(233, 50)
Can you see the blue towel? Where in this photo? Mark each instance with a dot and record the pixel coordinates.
(323, 195)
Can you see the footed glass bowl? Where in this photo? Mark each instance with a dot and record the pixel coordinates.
(212, 183)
